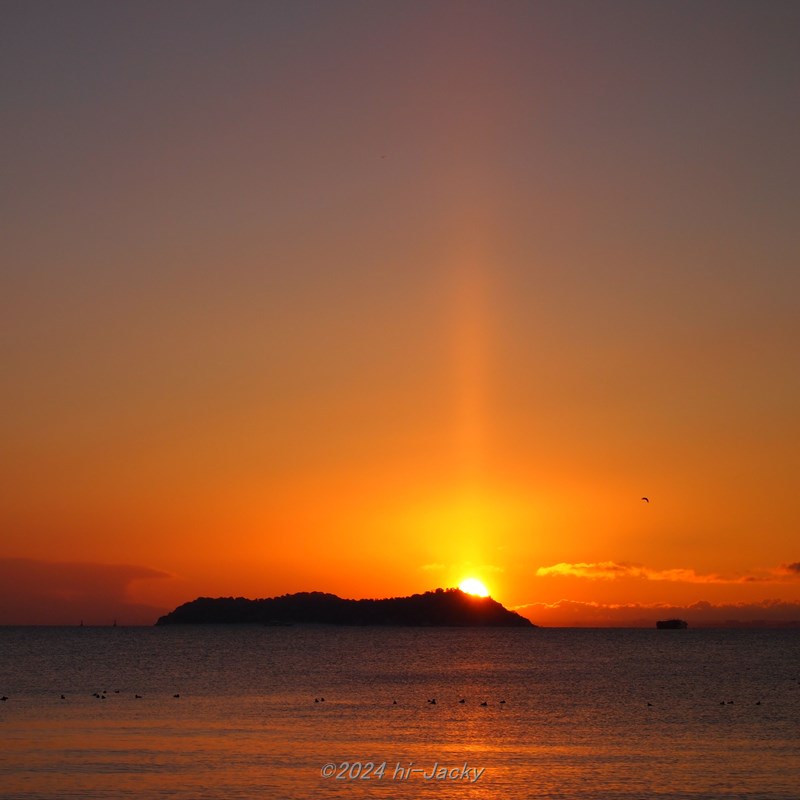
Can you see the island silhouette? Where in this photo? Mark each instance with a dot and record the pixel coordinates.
(439, 608)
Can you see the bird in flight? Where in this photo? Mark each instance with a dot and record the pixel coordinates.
(646, 499)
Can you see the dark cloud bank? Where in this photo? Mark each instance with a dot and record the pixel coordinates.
(570, 613)
(34, 592)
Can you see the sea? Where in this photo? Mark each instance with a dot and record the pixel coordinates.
(293, 713)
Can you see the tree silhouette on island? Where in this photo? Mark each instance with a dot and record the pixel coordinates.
(440, 608)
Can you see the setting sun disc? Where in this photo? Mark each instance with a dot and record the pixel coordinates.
(473, 586)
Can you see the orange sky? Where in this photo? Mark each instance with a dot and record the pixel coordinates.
(368, 300)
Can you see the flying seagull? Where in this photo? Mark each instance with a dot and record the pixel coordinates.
(646, 499)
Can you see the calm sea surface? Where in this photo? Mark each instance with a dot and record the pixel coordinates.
(587, 714)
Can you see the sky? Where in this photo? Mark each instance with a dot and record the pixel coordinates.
(369, 298)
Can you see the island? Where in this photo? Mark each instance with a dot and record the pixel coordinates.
(439, 608)
(672, 624)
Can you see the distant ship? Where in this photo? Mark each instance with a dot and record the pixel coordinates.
(672, 623)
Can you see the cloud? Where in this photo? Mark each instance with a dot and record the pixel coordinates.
(572, 613)
(611, 570)
(34, 592)
(793, 568)
(603, 570)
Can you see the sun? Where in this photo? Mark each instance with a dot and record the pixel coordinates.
(474, 586)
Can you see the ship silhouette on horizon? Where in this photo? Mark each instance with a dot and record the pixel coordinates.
(672, 624)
